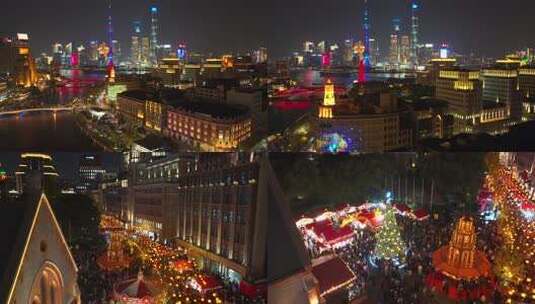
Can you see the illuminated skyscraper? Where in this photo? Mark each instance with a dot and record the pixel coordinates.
(116, 46)
(373, 51)
(16, 60)
(394, 43)
(93, 52)
(321, 47)
(135, 51)
(415, 24)
(366, 34)
(182, 52)
(66, 56)
(261, 55)
(308, 47)
(405, 49)
(348, 52)
(145, 50)
(153, 34)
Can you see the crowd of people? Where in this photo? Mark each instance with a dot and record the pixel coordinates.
(386, 281)
(96, 285)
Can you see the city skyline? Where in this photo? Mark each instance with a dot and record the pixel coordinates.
(478, 26)
(66, 163)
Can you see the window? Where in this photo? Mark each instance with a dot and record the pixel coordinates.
(47, 288)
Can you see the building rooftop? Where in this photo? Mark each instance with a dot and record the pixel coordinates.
(138, 94)
(15, 225)
(487, 105)
(213, 109)
(428, 103)
(332, 274)
(153, 142)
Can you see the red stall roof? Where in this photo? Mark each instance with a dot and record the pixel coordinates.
(332, 274)
(330, 233)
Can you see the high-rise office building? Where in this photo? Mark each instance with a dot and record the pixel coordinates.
(145, 50)
(261, 55)
(90, 170)
(93, 52)
(308, 47)
(321, 47)
(117, 51)
(67, 53)
(373, 51)
(415, 28)
(405, 49)
(16, 60)
(154, 35)
(57, 48)
(395, 43)
(462, 90)
(348, 52)
(500, 84)
(526, 80)
(182, 52)
(135, 50)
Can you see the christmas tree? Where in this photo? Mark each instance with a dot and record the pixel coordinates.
(389, 245)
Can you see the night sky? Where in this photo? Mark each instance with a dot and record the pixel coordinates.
(487, 27)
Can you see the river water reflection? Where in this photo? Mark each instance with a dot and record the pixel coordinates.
(46, 131)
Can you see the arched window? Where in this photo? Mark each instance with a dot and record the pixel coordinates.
(44, 288)
(48, 285)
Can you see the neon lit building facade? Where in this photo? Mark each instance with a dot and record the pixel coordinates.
(329, 101)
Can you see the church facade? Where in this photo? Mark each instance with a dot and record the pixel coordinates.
(41, 268)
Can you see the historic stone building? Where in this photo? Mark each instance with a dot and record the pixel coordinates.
(36, 265)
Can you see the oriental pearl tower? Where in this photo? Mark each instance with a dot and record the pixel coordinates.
(110, 66)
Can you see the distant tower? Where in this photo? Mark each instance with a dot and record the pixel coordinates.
(329, 101)
(135, 53)
(366, 33)
(111, 65)
(153, 34)
(360, 51)
(362, 72)
(415, 7)
(395, 43)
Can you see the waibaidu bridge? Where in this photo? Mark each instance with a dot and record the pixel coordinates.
(24, 111)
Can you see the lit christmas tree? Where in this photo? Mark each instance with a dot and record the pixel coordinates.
(389, 245)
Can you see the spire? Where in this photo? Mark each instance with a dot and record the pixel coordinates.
(366, 34)
(111, 65)
(110, 34)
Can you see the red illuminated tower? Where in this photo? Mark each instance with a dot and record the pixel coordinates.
(111, 66)
(362, 71)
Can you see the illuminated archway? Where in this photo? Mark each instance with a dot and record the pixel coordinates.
(47, 286)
